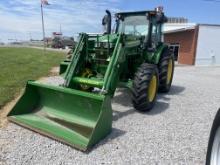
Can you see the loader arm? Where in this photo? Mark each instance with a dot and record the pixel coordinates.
(75, 60)
(113, 71)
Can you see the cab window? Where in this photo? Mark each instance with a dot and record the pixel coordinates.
(135, 25)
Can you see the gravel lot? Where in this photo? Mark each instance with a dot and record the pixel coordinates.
(176, 131)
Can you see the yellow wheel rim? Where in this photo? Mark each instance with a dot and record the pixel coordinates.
(86, 73)
(152, 89)
(169, 71)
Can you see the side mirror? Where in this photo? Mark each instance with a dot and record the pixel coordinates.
(161, 18)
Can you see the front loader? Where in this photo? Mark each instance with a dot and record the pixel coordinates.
(78, 112)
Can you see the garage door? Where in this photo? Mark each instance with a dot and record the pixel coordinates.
(208, 46)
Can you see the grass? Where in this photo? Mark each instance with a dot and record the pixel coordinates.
(17, 65)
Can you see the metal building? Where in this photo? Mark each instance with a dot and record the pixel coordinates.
(196, 44)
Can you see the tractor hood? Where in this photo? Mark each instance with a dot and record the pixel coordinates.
(112, 38)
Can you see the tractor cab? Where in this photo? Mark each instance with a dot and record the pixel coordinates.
(145, 25)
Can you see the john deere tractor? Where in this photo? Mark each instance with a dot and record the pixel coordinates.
(78, 112)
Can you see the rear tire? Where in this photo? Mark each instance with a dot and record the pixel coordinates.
(166, 69)
(213, 152)
(145, 86)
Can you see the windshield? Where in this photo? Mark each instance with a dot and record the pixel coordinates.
(135, 25)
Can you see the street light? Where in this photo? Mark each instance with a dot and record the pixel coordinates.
(43, 2)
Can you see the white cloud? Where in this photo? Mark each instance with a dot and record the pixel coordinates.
(21, 17)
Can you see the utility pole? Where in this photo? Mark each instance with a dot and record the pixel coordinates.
(60, 28)
(43, 2)
(30, 35)
(43, 29)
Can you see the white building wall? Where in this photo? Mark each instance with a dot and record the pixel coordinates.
(208, 45)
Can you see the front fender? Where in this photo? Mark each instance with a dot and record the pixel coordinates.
(157, 55)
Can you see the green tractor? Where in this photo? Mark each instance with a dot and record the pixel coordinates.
(79, 112)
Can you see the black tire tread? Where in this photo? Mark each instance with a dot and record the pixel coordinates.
(215, 126)
(163, 68)
(140, 85)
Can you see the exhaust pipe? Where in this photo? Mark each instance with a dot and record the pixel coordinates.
(107, 22)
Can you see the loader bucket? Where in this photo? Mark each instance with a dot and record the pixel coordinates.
(77, 118)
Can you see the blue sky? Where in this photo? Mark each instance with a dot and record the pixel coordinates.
(20, 18)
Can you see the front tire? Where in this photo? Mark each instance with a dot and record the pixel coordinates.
(145, 86)
(166, 69)
(213, 152)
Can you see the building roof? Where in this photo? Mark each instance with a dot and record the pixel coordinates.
(180, 30)
(187, 27)
(217, 25)
(169, 27)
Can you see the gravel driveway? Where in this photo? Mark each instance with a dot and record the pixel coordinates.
(175, 132)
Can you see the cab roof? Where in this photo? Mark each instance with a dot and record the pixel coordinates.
(136, 13)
